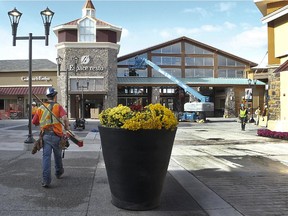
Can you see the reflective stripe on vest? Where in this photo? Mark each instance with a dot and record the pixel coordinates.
(46, 117)
(242, 113)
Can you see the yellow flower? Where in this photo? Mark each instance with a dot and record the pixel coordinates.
(153, 116)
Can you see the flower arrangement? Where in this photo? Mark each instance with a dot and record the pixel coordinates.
(152, 116)
(272, 134)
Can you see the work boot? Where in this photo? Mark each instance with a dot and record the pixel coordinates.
(58, 176)
(45, 185)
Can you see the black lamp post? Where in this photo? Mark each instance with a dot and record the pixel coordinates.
(253, 83)
(75, 64)
(59, 61)
(14, 17)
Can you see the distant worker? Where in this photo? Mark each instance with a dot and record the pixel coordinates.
(52, 132)
(34, 108)
(243, 116)
(243, 101)
(265, 111)
(258, 114)
(265, 116)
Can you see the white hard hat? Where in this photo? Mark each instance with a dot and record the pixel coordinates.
(33, 103)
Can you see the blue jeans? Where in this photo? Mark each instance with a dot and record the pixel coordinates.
(51, 142)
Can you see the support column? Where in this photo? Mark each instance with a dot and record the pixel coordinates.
(155, 95)
(229, 110)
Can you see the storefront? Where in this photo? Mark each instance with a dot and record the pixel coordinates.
(14, 88)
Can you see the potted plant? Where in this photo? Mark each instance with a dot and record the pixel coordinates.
(137, 144)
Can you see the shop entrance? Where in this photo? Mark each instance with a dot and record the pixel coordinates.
(87, 107)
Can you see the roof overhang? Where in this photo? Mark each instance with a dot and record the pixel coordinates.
(262, 5)
(275, 15)
(22, 90)
(87, 45)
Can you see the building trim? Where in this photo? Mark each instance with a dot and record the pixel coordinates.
(275, 15)
(92, 45)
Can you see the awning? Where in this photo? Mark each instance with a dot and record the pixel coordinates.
(22, 90)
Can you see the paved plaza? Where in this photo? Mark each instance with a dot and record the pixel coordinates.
(215, 169)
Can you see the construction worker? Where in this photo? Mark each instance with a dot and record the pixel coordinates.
(34, 108)
(243, 116)
(52, 131)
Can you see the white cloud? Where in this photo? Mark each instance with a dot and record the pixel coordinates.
(125, 33)
(251, 44)
(181, 31)
(229, 25)
(197, 10)
(252, 38)
(225, 6)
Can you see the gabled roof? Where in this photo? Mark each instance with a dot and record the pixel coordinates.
(283, 67)
(89, 4)
(23, 65)
(99, 23)
(188, 40)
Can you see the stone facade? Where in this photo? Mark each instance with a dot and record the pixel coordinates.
(101, 64)
(229, 110)
(274, 96)
(155, 95)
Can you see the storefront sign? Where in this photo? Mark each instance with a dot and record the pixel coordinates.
(85, 60)
(37, 78)
(86, 68)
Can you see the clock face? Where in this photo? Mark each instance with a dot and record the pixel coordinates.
(85, 59)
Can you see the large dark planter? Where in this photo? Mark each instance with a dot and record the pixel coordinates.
(136, 164)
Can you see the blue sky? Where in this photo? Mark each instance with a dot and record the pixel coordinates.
(232, 26)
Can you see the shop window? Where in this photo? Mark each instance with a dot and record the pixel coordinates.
(230, 73)
(132, 90)
(176, 72)
(1, 104)
(87, 31)
(199, 61)
(239, 73)
(224, 61)
(167, 90)
(192, 49)
(199, 72)
(165, 60)
(221, 73)
(175, 48)
(131, 61)
(87, 84)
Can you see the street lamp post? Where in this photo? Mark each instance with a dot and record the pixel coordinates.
(59, 60)
(14, 16)
(253, 83)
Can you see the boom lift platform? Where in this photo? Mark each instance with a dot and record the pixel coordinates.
(201, 106)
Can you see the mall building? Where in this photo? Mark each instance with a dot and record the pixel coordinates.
(90, 76)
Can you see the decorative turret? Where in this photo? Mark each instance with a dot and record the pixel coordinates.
(88, 9)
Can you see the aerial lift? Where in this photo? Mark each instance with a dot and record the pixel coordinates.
(191, 108)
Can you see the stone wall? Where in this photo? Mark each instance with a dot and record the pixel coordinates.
(274, 96)
(229, 111)
(104, 58)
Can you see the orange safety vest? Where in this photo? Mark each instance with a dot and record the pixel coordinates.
(34, 109)
(47, 120)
